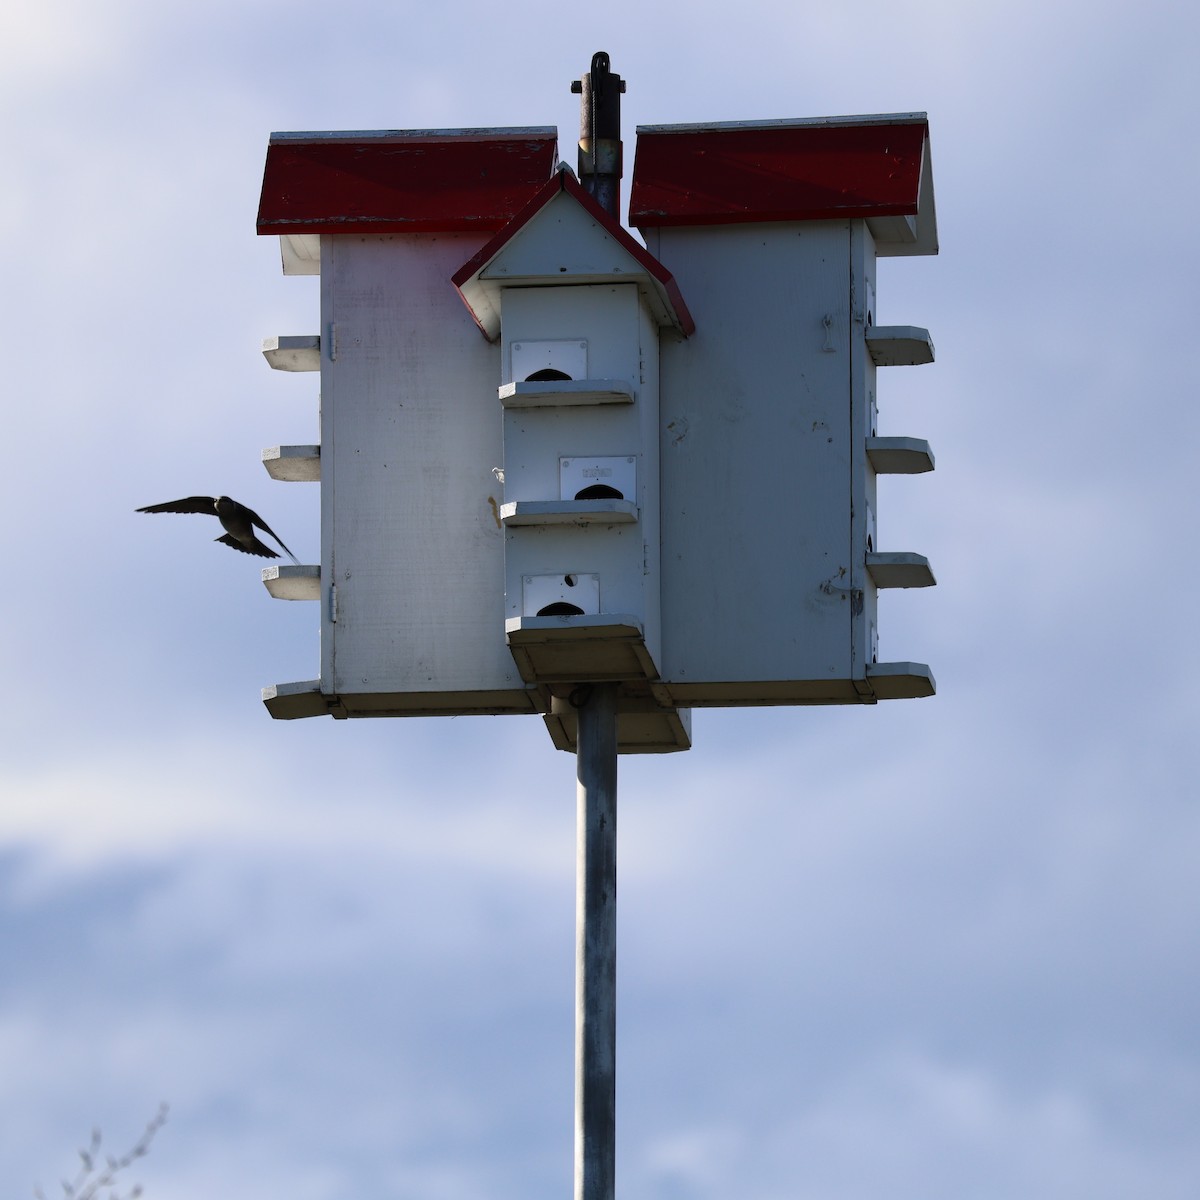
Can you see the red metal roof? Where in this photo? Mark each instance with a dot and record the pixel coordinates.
(402, 181)
(778, 171)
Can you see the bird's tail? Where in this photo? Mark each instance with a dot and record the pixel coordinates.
(261, 550)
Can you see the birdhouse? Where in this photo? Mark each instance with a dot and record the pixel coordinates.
(541, 469)
(578, 307)
(410, 583)
(473, 488)
(773, 558)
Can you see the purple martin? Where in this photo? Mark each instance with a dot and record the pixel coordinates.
(236, 519)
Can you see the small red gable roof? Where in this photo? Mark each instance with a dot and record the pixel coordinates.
(479, 292)
(402, 181)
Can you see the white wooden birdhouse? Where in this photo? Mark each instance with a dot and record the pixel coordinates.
(412, 559)
(578, 306)
(772, 552)
(440, 447)
(541, 469)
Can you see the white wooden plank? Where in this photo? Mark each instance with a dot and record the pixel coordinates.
(901, 680)
(569, 512)
(293, 464)
(293, 352)
(301, 253)
(594, 648)
(900, 569)
(292, 583)
(290, 701)
(899, 345)
(643, 727)
(566, 392)
(899, 455)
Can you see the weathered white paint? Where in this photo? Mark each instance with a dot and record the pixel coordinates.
(293, 464)
(293, 352)
(579, 589)
(545, 533)
(577, 473)
(643, 726)
(900, 569)
(563, 241)
(560, 393)
(290, 701)
(741, 566)
(292, 583)
(899, 345)
(565, 356)
(769, 496)
(568, 512)
(411, 530)
(899, 455)
(301, 253)
(602, 646)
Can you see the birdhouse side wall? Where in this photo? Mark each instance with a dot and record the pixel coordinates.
(412, 544)
(757, 439)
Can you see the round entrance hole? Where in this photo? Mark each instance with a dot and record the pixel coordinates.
(599, 491)
(560, 608)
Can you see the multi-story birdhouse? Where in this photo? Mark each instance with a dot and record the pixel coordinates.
(772, 559)
(412, 552)
(542, 467)
(578, 306)
(486, 467)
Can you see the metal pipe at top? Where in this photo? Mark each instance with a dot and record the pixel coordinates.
(600, 165)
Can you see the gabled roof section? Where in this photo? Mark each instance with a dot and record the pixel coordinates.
(402, 181)
(875, 168)
(562, 236)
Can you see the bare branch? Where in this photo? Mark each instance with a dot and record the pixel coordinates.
(90, 1180)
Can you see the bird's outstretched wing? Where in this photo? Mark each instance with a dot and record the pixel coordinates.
(189, 504)
(261, 524)
(254, 546)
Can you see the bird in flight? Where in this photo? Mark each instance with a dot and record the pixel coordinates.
(236, 519)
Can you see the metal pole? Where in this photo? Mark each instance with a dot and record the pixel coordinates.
(596, 945)
(600, 168)
(600, 154)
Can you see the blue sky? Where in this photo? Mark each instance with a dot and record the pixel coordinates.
(932, 949)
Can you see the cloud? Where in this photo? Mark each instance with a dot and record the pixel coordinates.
(928, 949)
(173, 798)
(50, 43)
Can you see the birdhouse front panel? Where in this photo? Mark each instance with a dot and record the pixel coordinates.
(578, 306)
(581, 466)
(411, 443)
(594, 331)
